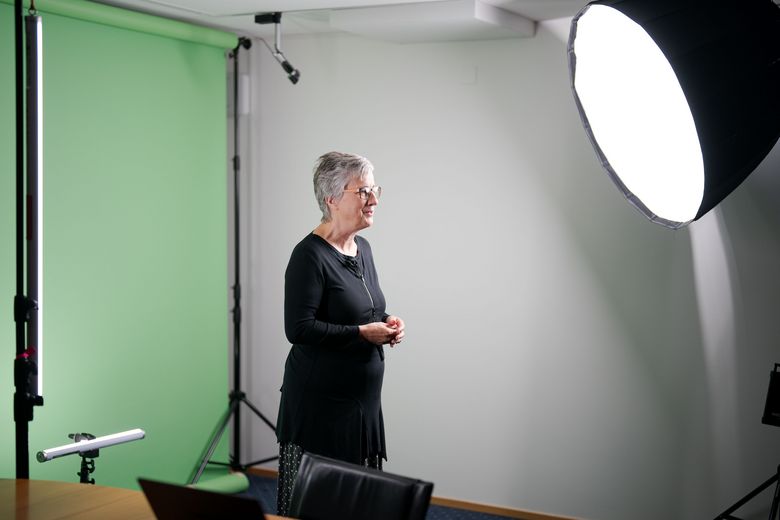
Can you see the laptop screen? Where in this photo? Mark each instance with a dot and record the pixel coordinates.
(175, 502)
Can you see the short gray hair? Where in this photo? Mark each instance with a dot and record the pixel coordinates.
(332, 173)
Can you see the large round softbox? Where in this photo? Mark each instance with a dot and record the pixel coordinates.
(680, 98)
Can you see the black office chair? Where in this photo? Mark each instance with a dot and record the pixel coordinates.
(327, 489)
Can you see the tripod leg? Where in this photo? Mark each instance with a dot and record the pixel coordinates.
(258, 413)
(266, 421)
(214, 441)
(776, 499)
(747, 498)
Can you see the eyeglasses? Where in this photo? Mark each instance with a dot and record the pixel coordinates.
(366, 191)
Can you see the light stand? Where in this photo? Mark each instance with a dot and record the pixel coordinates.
(680, 101)
(771, 417)
(27, 380)
(237, 396)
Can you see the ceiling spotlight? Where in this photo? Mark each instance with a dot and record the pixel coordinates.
(680, 99)
(293, 74)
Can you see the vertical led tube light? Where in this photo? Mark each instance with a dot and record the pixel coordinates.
(34, 47)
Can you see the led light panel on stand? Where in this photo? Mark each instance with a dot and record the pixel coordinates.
(35, 195)
(680, 98)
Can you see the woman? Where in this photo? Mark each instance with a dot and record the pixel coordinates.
(334, 315)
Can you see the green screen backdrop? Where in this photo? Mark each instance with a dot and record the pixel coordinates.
(135, 241)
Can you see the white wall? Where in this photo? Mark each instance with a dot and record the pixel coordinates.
(563, 354)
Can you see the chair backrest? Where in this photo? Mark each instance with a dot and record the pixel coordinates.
(326, 489)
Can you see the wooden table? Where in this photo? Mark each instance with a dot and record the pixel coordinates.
(50, 500)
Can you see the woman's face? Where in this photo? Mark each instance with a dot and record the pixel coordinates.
(352, 211)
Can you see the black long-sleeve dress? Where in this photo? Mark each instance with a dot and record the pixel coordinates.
(331, 392)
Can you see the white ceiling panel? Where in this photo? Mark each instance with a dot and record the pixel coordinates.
(247, 7)
(392, 20)
(444, 21)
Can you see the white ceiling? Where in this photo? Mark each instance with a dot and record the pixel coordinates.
(392, 20)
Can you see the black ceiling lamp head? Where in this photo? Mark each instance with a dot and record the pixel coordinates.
(293, 74)
(680, 98)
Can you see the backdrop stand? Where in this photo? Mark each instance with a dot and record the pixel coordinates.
(236, 396)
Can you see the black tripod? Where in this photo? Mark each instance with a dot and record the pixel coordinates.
(773, 510)
(771, 417)
(236, 396)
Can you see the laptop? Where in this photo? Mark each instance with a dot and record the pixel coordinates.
(175, 502)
